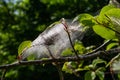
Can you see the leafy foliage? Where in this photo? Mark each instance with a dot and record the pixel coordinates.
(24, 19)
(107, 25)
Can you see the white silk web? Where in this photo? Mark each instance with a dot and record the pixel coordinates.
(54, 40)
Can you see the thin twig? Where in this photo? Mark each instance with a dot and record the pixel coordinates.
(66, 29)
(72, 45)
(101, 46)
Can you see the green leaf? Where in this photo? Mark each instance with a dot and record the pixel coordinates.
(106, 8)
(102, 17)
(66, 68)
(80, 64)
(83, 16)
(101, 69)
(12, 72)
(88, 67)
(24, 45)
(114, 16)
(82, 69)
(31, 57)
(100, 74)
(97, 61)
(53, 24)
(104, 32)
(89, 48)
(118, 76)
(91, 67)
(67, 52)
(69, 67)
(115, 12)
(85, 19)
(73, 64)
(90, 75)
(79, 47)
(111, 45)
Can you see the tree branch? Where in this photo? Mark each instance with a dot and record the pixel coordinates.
(66, 29)
(63, 59)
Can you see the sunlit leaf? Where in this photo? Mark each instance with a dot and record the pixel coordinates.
(101, 69)
(83, 16)
(115, 12)
(69, 67)
(106, 8)
(98, 61)
(90, 75)
(90, 48)
(53, 24)
(31, 57)
(66, 68)
(102, 17)
(91, 66)
(85, 19)
(73, 64)
(114, 16)
(24, 45)
(80, 63)
(79, 47)
(100, 74)
(111, 45)
(67, 52)
(104, 32)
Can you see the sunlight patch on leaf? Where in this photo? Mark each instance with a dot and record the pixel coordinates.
(98, 61)
(90, 75)
(79, 47)
(114, 17)
(68, 67)
(102, 17)
(104, 32)
(67, 52)
(83, 16)
(31, 57)
(100, 74)
(111, 45)
(24, 45)
(85, 19)
(115, 12)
